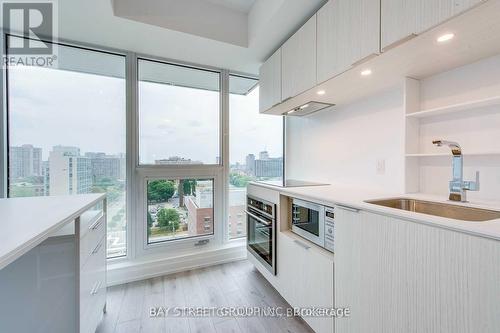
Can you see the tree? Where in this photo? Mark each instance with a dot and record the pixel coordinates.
(160, 190)
(150, 224)
(168, 218)
(150, 220)
(239, 180)
(180, 191)
(189, 186)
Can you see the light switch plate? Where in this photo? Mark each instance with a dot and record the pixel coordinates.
(381, 167)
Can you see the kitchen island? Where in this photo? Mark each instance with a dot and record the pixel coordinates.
(52, 263)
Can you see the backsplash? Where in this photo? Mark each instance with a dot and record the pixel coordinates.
(350, 145)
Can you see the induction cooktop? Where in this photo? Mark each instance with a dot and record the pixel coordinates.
(290, 183)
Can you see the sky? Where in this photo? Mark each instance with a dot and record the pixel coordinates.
(50, 107)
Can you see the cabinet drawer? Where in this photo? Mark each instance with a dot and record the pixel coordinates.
(93, 288)
(90, 240)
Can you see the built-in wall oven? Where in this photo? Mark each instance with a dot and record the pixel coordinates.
(261, 231)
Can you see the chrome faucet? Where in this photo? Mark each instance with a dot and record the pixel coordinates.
(458, 186)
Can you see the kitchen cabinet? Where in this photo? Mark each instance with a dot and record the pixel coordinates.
(305, 274)
(299, 61)
(348, 32)
(270, 82)
(403, 18)
(399, 276)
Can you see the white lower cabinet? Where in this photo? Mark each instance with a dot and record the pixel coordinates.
(402, 276)
(305, 274)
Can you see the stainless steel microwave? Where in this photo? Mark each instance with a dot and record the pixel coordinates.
(308, 221)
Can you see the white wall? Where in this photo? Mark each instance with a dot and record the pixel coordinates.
(343, 145)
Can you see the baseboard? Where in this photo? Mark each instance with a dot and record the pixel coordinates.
(140, 270)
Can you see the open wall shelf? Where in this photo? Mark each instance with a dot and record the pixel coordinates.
(485, 153)
(427, 168)
(480, 104)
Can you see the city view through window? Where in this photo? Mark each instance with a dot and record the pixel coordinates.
(67, 136)
(255, 150)
(179, 208)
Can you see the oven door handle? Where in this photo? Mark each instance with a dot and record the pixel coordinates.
(261, 220)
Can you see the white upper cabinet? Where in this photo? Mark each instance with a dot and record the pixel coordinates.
(299, 60)
(403, 18)
(348, 33)
(270, 82)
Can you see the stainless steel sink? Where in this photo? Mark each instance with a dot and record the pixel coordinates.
(439, 209)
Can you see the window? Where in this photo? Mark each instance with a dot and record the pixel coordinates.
(60, 124)
(179, 208)
(255, 148)
(179, 115)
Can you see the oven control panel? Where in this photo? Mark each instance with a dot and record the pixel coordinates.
(329, 228)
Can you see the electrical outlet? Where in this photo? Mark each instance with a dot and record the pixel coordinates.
(381, 167)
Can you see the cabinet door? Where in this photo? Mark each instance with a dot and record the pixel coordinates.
(402, 276)
(316, 288)
(402, 18)
(299, 60)
(270, 82)
(306, 278)
(290, 257)
(348, 32)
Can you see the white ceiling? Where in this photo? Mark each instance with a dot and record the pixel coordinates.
(267, 25)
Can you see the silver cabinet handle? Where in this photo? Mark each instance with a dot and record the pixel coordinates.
(299, 243)
(349, 209)
(365, 59)
(399, 42)
(96, 288)
(97, 223)
(96, 249)
(258, 218)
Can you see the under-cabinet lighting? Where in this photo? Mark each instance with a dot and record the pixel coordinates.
(445, 37)
(304, 106)
(321, 92)
(366, 72)
(291, 111)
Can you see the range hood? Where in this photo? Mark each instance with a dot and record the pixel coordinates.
(307, 109)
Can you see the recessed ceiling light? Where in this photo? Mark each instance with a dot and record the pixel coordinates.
(304, 106)
(366, 72)
(445, 37)
(321, 92)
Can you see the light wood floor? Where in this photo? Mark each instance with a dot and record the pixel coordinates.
(234, 284)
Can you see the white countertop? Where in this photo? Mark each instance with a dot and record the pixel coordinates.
(356, 197)
(26, 222)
